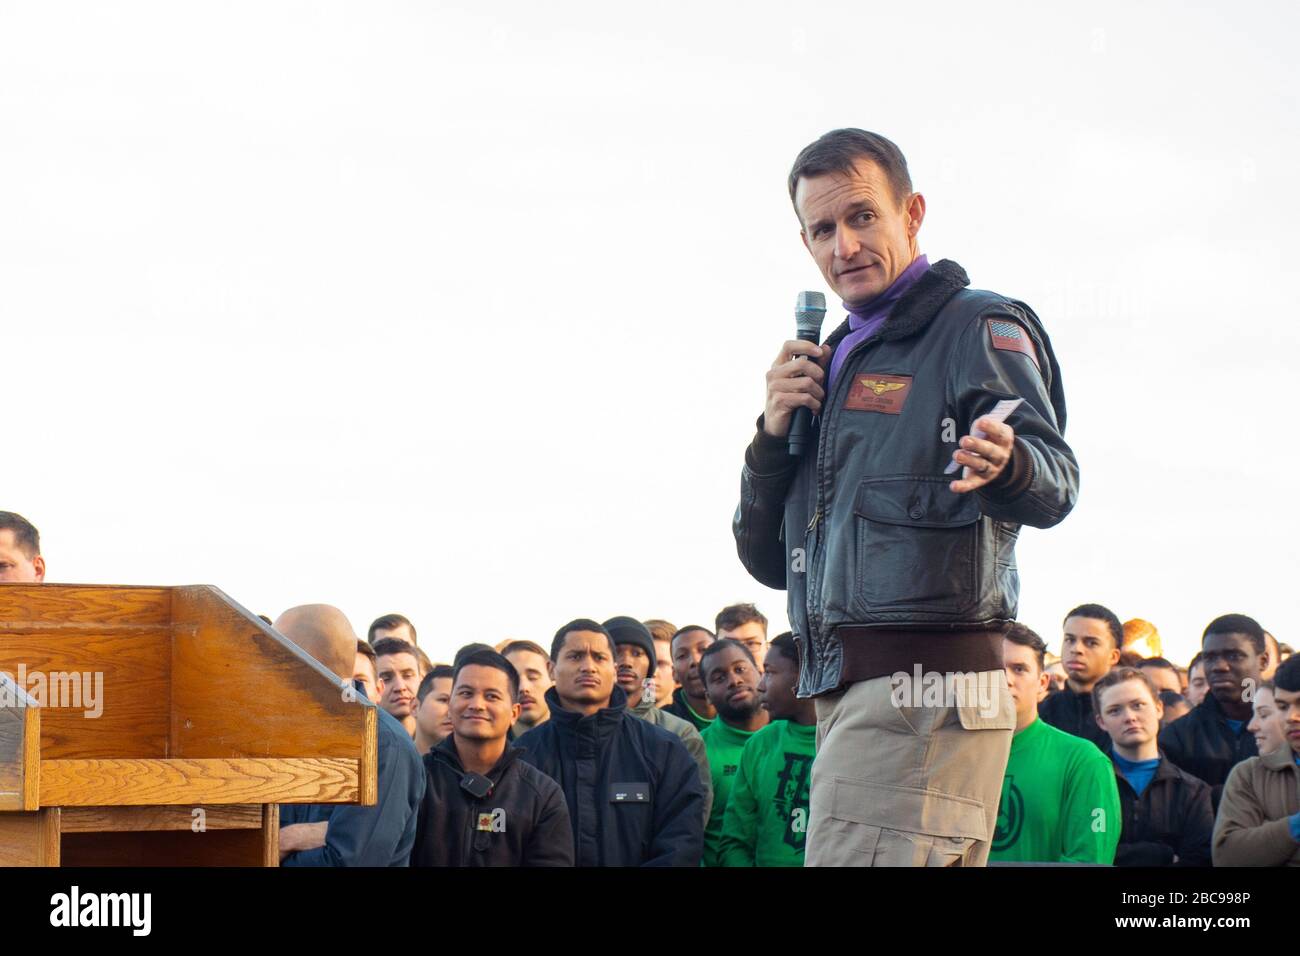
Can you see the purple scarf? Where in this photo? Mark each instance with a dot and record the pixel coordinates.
(865, 323)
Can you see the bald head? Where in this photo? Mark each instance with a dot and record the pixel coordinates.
(324, 633)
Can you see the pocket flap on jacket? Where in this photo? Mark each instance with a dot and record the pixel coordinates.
(915, 501)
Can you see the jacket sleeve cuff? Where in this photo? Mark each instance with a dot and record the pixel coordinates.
(1015, 477)
(767, 455)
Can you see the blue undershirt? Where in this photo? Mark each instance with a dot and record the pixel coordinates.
(1137, 772)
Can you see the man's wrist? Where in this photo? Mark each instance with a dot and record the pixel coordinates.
(768, 455)
(1015, 476)
(302, 836)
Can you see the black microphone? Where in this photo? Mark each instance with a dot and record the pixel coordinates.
(809, 310)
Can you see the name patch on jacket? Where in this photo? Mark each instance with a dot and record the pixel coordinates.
(629, 793)
(1010, 337)
(874, 392)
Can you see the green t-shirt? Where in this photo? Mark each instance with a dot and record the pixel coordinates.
(723, 744)
(1059, 801)
(766, 820)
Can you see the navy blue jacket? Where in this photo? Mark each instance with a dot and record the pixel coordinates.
(633, 789)
(382, 835)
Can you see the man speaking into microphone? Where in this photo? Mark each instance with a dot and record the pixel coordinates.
(901, 578)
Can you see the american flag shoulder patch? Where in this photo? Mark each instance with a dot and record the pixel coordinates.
(1008, 336)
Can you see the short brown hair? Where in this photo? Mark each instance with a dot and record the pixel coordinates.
(1117, 675)
(734, 615)
(387, 623)
(1017, 633)
(510, 647)
(838, 150)
(26, 538)
(660, 630)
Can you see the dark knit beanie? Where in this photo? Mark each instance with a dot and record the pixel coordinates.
(628, 630)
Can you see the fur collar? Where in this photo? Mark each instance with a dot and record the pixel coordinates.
(918, 306)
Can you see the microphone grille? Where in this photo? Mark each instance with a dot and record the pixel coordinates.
(809, 311)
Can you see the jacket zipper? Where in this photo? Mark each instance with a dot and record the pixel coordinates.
(815, 559)
(473, 829)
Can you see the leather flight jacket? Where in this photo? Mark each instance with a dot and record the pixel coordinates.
(885, 567)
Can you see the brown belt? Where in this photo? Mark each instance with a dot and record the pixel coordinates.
(869, 652)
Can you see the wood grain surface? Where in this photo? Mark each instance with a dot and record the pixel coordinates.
(239, 689)
(270, 834)
(20, 839)
(132, 665)
(104, 783)
(110, 819)
(29, 839)
(65, 604)
(202, 703)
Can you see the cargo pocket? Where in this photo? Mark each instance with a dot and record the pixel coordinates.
(907, 810)
(843, 838)
(916, 547)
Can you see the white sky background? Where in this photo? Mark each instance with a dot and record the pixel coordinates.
(462, 310)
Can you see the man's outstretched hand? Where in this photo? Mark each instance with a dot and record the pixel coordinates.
(985, 459)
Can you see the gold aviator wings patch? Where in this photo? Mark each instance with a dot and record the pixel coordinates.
(880, 387)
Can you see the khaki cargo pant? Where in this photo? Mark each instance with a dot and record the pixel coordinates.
(909, 785)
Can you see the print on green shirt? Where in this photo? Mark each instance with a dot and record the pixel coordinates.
(792, 795)
(1011, 815)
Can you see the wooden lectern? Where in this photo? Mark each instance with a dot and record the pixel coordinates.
(207, 718)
